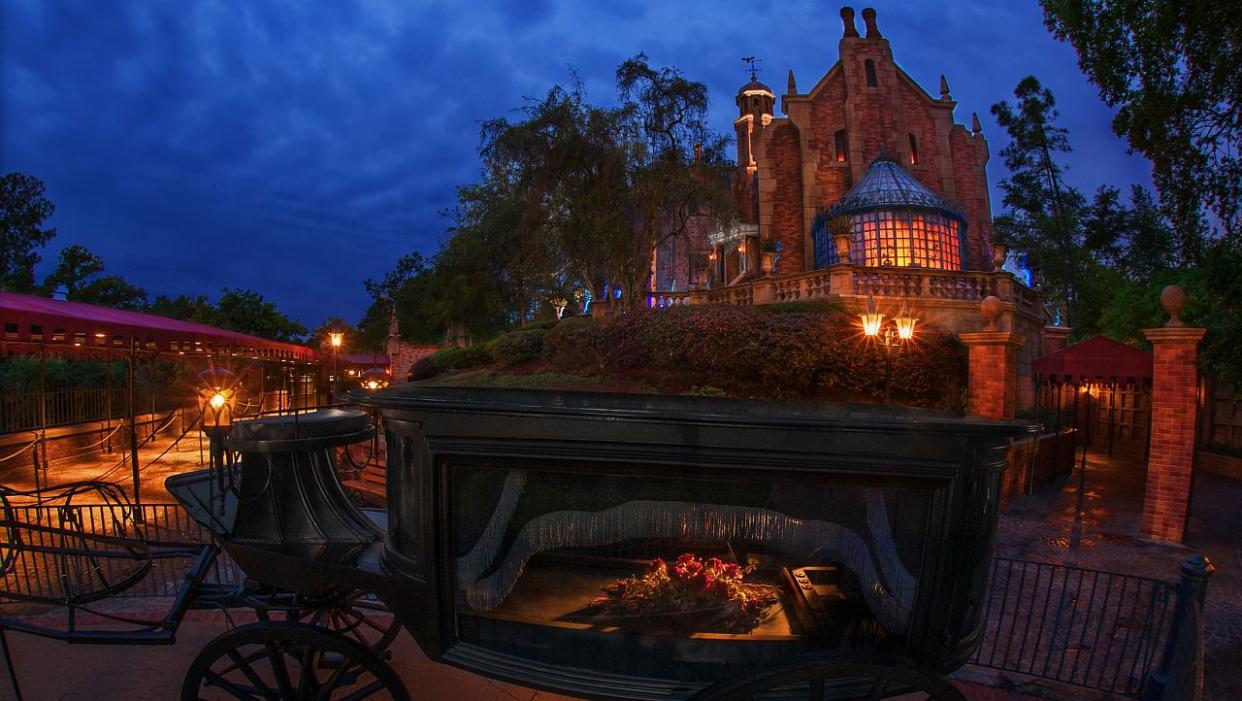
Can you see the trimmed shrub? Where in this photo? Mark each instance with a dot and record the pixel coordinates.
(460, 358)
(519, 346)
(422, 369)
(574, 345)
(785, 355)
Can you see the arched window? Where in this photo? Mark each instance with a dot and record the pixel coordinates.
(843, 146)
(914, 151)
(869, 67)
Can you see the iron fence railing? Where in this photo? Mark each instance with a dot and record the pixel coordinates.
(1089, 628)
(41, 572)
(21, 411)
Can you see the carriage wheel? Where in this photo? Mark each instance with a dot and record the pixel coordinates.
(289, 662)
(366, 621)
(839, 681)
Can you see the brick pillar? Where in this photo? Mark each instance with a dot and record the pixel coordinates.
(992, 383)
(1174, 405)
(1055, 338)
(992, 371)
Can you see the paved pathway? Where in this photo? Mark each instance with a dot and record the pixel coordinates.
(1093, 521)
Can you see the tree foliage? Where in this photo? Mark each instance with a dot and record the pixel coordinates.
(571, 197)
(1173, 71)
(78, 274)
(23, 211)
(244, 311)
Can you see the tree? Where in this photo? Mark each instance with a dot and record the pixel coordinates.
(23, 211)
(350, 342)
(74, 268)
(246, 311)
(112, 291)
(1043, 215)
(197, 309)
(1173, 71)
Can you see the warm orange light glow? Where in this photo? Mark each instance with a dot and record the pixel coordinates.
(217, 400)
(335, 338)
(871, 319)
(905, 324)
(372, 384)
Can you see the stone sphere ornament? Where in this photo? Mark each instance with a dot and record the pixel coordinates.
(1173, 300)
(991, 308)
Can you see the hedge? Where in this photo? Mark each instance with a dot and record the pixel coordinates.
(519, 347)
(820, 355)
(460, 358)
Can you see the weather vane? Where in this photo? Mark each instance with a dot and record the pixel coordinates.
(751, 61)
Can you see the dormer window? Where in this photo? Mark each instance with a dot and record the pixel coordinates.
(869, 67)
(842, 146)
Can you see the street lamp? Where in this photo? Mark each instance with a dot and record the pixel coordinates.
(895, 335)
(335, 338)
(218, 390)
(375, 379)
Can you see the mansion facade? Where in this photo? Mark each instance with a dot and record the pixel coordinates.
(866, 142)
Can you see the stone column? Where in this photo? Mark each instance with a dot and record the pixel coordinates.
(992, 382)
(1174, 409)
(1055, 338)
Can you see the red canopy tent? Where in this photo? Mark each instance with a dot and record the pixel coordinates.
(1097, 357)
(74, 325)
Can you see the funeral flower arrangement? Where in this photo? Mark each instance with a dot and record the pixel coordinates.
(712, 590)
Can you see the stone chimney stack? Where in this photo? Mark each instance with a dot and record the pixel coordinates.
(847, 18)
(873, 32)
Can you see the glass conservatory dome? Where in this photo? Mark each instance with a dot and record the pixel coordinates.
(896, 221)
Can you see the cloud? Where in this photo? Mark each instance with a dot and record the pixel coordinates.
(289, 146)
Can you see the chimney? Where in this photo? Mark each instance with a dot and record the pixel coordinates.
(847, 18)
(944, 88)
(873, 32)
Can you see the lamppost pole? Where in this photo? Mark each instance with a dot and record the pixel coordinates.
(335, 337)
(895, 335)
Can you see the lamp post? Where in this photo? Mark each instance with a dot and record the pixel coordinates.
(895, 336)
(335, 338)
(217, 393)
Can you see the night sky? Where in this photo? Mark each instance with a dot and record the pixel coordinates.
(298, 148)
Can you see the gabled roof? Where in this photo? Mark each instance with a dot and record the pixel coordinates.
(1095, 357)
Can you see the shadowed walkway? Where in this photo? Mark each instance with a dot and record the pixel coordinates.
(1093, 521)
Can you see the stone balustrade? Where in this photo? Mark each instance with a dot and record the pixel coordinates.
(850, 282)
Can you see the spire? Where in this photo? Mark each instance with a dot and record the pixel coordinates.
(791, 86)
(975, 127)
(944, 88)
(847, 18)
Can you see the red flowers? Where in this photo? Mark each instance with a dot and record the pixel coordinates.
(711, 588)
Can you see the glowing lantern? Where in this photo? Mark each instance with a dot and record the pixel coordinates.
(375, 379)
(871, 319)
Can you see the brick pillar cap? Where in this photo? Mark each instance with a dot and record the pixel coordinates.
(992, 338)
(1175, 334)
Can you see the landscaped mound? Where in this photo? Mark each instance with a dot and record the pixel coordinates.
(740, 351)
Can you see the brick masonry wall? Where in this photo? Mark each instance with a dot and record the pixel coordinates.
(402, 357)
(1174, 404)
(992, 383)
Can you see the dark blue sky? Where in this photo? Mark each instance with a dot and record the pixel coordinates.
(298, 148)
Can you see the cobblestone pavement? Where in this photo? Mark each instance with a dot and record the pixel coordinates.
(1093, 521)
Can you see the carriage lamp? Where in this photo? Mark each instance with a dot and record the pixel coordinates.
(895, 336)
(375, 379)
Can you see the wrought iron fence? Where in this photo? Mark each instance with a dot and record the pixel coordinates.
(43, 572)
(21, 411)
(1077, 626)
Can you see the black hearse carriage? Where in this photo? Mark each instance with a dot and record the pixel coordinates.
(607, 546)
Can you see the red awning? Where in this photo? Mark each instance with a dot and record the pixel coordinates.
(364, 360)
(1095, 357)
(74, 325)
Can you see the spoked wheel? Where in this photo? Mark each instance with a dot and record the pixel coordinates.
(364, 620)
(289, 662)
(824, 680)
